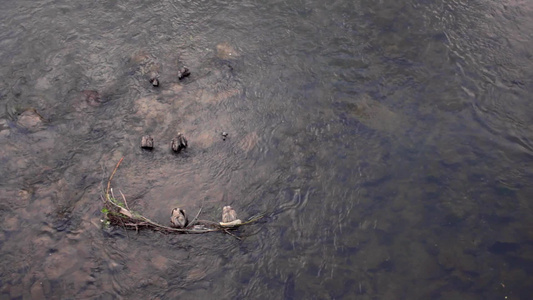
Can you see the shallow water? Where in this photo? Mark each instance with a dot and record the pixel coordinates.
(389, 144)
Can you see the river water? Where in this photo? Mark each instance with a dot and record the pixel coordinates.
(388, 143)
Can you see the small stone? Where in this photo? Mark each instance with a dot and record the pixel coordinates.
(228, 214)
(178, 218)
(154, 81)
(178, 143)
(147, 142)
(183, 72)
(224, 135)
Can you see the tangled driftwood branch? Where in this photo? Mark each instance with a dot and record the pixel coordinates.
(119, 213)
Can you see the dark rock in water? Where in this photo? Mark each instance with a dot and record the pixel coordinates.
(178, 143)
(183, 72)
(154, 81)
(178, 218)
(147, 142)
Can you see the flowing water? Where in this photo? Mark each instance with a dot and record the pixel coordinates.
(389, 143)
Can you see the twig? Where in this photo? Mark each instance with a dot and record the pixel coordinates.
(112, 174)
(194, 220)
(125, 202)
(228, 232)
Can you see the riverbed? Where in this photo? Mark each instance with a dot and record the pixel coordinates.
(388, 145)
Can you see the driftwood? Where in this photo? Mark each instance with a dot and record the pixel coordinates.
(118, 213)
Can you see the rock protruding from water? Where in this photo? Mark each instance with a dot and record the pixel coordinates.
(154, 81)
(229, 217)
(178, 218)
(178, 143)
(183, 72)
(228, 214)
(147, 142)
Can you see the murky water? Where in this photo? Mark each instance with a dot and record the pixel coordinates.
(390, 144)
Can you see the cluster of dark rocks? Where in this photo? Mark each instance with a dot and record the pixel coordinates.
(182, 73)
(179, 142)
(176, 144)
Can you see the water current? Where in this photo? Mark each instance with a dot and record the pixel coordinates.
(389, 144)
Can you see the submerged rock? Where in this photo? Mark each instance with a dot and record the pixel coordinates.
(4, 128)
(377, 116)
(30, 119)
(92, 97)
(146, 63)
(249, 141)
(226, 51)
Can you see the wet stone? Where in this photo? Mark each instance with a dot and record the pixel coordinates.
(228, 214)
(183, 72)
(147, 142)
(154, 81)
(178, 218)
(178, 143)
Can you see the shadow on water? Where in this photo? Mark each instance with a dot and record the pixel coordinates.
(387, 143)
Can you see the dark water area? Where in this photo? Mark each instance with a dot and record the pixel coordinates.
(389, 143)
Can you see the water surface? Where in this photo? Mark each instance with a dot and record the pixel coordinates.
(389, 144)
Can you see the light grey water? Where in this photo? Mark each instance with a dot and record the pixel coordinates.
(389, 143)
